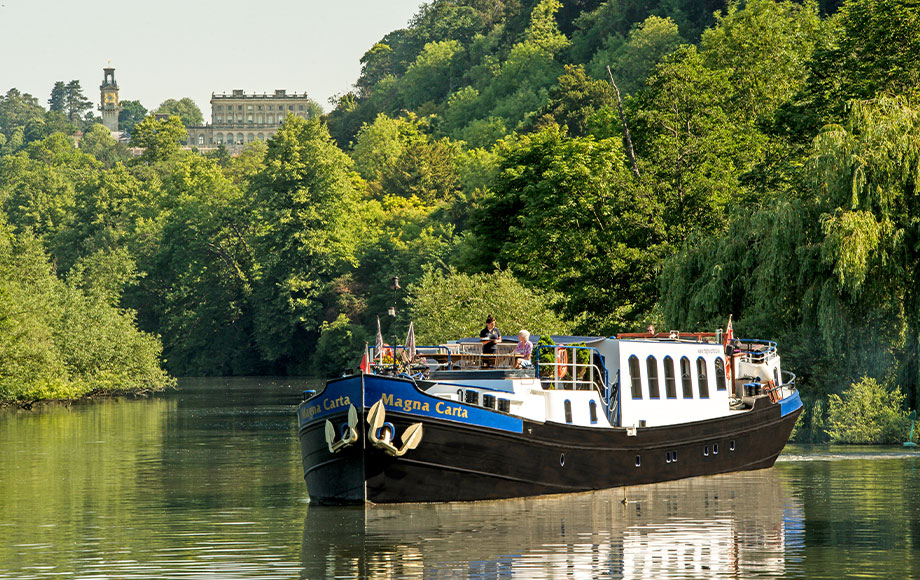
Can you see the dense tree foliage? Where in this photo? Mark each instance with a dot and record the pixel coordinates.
(755, 158)
(184, 108)
(61, 340)
(132, 113)
(450, 304)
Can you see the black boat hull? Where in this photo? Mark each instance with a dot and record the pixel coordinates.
(458, 460)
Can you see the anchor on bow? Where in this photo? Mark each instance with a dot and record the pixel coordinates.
(381, 433)
(349, 433)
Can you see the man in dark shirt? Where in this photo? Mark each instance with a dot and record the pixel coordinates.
(490, 337)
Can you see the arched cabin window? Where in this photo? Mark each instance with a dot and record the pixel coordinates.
(651, 365)
(701, 378)
(670, 388)
(635, 378)
(720, 374)
(686, 381)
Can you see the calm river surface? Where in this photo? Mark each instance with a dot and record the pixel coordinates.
(205, 482)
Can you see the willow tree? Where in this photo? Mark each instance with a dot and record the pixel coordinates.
(833, 268)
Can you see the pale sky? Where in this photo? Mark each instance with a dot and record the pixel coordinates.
(173, 48)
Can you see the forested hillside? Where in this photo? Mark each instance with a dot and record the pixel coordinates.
(758, 159)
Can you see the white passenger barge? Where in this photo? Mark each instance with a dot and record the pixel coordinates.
(456, 425)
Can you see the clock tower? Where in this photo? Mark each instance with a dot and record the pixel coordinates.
(108, 100)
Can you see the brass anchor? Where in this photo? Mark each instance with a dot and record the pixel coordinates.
(348, 438)
(411, 437)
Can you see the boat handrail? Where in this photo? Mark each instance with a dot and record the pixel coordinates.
(446, 357)
(565, 372)
(750, 354)
(782, 390)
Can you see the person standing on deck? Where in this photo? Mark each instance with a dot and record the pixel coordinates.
(490, 336)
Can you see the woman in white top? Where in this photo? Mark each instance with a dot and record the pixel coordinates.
(523, 348)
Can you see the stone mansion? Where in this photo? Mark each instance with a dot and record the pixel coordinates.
(239, 118)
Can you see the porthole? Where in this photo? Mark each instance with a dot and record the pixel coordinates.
(668, 457)
(562, 460)
(715, 448)
(706, 451)
(731, 446)
(674, 457)
(638, 460)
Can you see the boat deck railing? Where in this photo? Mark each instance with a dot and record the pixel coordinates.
(558, 366)
(757, 351)
(444, 357)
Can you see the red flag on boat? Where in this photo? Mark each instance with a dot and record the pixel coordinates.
(729, 353)
(365, 362)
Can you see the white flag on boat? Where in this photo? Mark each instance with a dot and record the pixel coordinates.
(378, 346)
(410, 343)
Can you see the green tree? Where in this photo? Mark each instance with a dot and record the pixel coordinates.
(98, 142)
(339, 347)
(451, 305)
(634, 59)
(868, 413)
(38, 184)
(160, 139)
(75, 102)
(199, 276)
(379, 145)
(184, 108)
(828, 266)
(691, 147)
(868, 51)
(765, 47)
(574, 100)
(16, 110)
(57, 341)
(307, 204)
(132, 113)
(567, 215)
(433, 75)
(58, 95)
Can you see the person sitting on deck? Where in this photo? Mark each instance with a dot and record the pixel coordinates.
(523, 348)
(490, 337)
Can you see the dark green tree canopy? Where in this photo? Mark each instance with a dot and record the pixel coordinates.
(184, 108)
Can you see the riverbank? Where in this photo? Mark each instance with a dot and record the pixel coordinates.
(30, 404)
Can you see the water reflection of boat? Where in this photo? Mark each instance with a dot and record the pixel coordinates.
(618, 411)
(735, 525)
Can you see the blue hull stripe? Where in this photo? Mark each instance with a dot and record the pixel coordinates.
(790, 404)
(399, 396)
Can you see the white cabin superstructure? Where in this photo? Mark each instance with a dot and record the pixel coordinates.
(632, 382)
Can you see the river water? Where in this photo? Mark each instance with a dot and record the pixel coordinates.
(205, 482)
